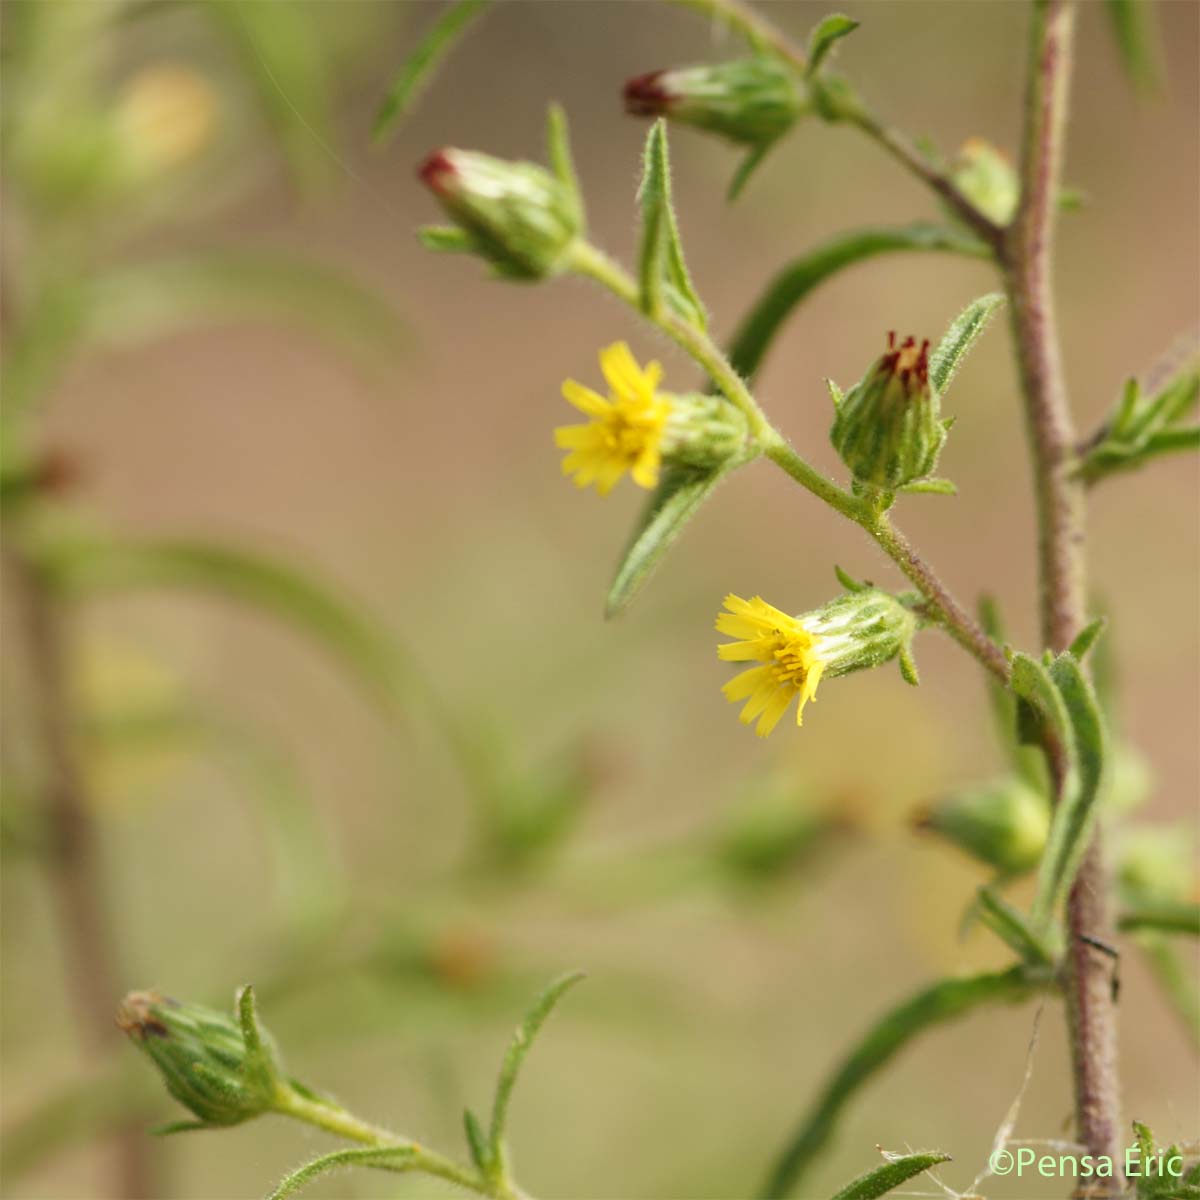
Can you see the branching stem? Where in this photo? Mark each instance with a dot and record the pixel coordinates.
(593, 263)
(336, 1120)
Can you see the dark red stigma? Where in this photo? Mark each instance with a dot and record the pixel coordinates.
(645, 96)
(437, 171)
(907, 362)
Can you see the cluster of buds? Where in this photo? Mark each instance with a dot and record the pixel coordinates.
(888, 428)
(751, 101)
(517, 215)
(225, 1071)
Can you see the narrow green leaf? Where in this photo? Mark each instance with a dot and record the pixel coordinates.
(258, 1057)
(891, 1175)
(281, 591)
(391, 1158)
(1086, 638)
(908, 668)
(1162, 917)
(1131, 397)
(1135, 28)
(1169, 406)
(134, 304)
(283, 49)
(418, 69)
(171, 1128)
(1031, 682)
(674, 502)
(790, 286)
(662, 273)
(823, 38)
(931, 486)
(1075, 812)
(476, 1139)
(938, 1003)
(562, 163)
(746, 168)
(518, 1049)
(963, 333)
(448, 239)
(1010, 925)
(848, 581)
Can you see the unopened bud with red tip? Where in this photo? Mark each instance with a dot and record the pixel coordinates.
(224, 1069)
(517, 215)
(751, 101)
(888, 429)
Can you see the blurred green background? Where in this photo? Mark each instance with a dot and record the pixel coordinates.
(396, 945)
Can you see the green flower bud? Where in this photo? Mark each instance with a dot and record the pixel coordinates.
(515, 214)
(1157, 864)
(703, 431)
(888, 430)
(205, 1058)
(751, 101)
(1002, 822)
(986, 177)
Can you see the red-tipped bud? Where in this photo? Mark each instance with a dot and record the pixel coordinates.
(515, 214)
(645, 96)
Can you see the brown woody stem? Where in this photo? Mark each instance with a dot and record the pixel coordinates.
(1026, 259)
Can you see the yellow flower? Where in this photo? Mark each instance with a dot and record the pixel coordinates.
(790, 652)
(625, 432)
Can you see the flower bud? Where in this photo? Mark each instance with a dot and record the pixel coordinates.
(860, 629)
(1002, 822)
(887, 429)
(751, 101)
(515, 214)
(985, 176)
(202, 1056)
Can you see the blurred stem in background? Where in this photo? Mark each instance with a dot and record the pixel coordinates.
(73, 857)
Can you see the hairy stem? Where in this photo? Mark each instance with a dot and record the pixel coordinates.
(73, 861)
(338, 1121)
(1026, 258)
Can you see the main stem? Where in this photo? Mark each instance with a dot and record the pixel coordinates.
(1026, 259)
(74, 866)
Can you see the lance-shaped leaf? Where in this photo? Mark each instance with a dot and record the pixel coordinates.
(824, 37)
(680, 493)
(1075, 811)
(663, 279)
(1026, 760)
(1135, 28)
(963, 333)
(891, 1175)
(1010, 925)
(1162, 917)
(940, 1002)
(792, 285)
(279, 590)
(518, 1049)
(390, 1158)
(561, 160)
(418, 69)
